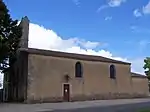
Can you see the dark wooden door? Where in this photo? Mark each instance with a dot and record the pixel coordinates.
(66, 92)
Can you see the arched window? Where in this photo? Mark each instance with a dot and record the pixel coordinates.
(112, 72)
(78, 69)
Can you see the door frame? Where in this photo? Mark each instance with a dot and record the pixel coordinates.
(70, 90)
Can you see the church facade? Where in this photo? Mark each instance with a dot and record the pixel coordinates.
(52, 76)
(58, 76)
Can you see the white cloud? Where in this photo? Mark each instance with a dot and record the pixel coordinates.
(116, 3)
(102, 7)
(111, 3)
(137, 13)
(143, 11)
(108, 18)
(137, 65)
(48, 39)
(42, 38)
(88, 44)
(76, 2)
(146, 9)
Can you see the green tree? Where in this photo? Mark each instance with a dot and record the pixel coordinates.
(147, 67)
(10, 34)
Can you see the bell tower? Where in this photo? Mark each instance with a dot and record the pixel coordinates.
(25, 32)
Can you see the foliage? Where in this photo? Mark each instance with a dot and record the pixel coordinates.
(147, 67)
(10, 33)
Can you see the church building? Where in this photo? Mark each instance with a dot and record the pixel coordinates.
(52, 76)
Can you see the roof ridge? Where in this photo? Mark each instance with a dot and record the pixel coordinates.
(72, 55)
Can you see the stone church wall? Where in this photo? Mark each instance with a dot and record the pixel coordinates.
(46, 79)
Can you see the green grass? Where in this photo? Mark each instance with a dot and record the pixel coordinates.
(144, 110)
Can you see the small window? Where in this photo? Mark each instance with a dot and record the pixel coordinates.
(78, 70)
(112, 72)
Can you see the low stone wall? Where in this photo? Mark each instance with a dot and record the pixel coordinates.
(88, 97)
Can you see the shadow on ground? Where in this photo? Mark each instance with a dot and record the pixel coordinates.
(119, 108)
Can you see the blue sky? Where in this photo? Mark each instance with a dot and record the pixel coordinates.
(121, 27)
